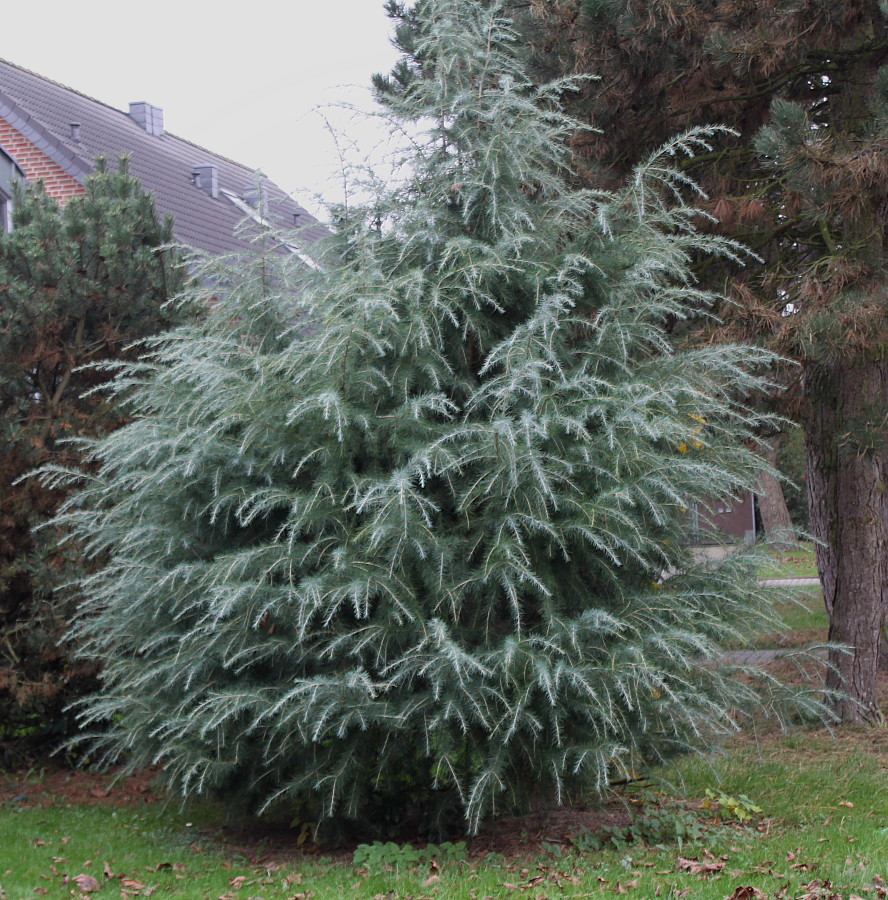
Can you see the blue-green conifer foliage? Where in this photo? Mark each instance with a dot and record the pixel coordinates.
(388, 537)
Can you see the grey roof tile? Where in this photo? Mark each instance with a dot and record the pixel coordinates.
(163, 164)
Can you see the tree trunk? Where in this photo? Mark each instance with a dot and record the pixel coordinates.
(844, 434)
(776, 520)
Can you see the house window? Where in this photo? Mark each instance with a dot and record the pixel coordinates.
(9, 173)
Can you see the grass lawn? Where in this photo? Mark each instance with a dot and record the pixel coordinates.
(805, 620)
(804, 617)
(822, 834)
(800, 607)
(796, 563)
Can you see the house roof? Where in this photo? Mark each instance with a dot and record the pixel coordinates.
(43, 111)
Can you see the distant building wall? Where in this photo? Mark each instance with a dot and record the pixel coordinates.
(36, 165)
(724, 521)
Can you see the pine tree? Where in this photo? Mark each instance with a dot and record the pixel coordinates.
(77, 284)
(803, 82)
(388, 538)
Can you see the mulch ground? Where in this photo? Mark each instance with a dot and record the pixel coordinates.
(515, 837)
(52, 784)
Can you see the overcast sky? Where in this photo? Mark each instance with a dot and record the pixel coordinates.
(240, 79)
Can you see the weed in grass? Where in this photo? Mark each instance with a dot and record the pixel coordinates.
(391, 857)
(739, 808)
(655, 827)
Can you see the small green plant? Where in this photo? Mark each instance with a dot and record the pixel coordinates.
(586, 841)
(554, 849)
(389, 856)
(739, 808)
(655, 826)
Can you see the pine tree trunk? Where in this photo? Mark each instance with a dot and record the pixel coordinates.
(776, 520)
(846, 493)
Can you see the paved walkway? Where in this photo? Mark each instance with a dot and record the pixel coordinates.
(803, 581)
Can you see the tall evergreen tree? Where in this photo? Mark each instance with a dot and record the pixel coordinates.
(804, 184)
(77, 284)
(389, 537)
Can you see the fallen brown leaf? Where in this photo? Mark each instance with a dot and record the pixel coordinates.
(693, 866)
(746, 892)
(86, 883)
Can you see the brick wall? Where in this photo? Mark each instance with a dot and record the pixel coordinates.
(37, 165)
